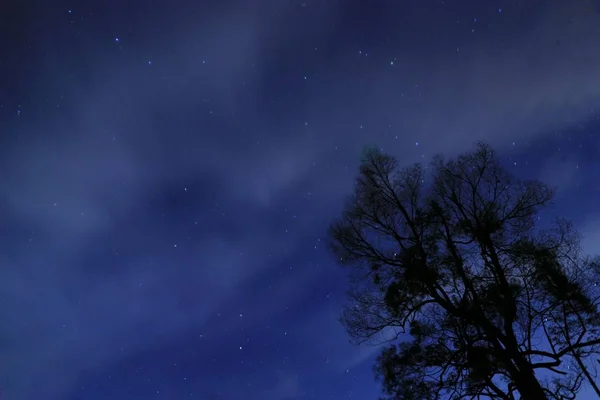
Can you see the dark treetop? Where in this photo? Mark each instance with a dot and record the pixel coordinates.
(453, 255)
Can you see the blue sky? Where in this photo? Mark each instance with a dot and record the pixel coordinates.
(169, 170)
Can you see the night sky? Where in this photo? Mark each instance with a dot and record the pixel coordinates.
(168, 170)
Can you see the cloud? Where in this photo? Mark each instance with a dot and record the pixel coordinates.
(287, 387)
(564, 175)
(74, 187)
(496, 88)
(591, 235)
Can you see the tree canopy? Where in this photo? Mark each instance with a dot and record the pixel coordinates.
(481, 301)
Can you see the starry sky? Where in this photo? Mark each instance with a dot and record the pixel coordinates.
(169, 169)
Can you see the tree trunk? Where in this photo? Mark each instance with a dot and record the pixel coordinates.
(527, 384)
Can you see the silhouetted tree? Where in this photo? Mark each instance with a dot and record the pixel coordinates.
(479, 301)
